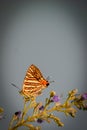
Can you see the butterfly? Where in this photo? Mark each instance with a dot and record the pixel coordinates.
(34, 82)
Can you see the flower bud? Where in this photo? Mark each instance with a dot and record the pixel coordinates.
(52, 93)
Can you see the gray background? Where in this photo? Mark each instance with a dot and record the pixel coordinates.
(51, 35)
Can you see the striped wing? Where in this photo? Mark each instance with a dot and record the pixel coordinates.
(34, 72)
(32, 85)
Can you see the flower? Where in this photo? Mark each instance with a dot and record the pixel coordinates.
(1, 110)
(56, 98)
(1, 117)
(39, 120)
(84, 96)
(18, 114)
(41, 108)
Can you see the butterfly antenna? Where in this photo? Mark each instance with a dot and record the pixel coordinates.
(15, 86)
(48, 79)
(52, 81)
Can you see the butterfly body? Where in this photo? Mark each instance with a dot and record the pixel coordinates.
(34, 82)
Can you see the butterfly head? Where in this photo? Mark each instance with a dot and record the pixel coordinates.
(45, 82)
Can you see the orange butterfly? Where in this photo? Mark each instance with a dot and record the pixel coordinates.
(34, 82)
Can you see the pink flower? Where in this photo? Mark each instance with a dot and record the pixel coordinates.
(84, 96)
(39, 120)
(41, 108)
(55, 98)
(18, 114)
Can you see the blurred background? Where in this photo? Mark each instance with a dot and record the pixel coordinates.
(52, 35)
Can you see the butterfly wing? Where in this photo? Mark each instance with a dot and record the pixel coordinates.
(33, 71)
(32, 85)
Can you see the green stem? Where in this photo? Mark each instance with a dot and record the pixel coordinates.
(10, 124)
